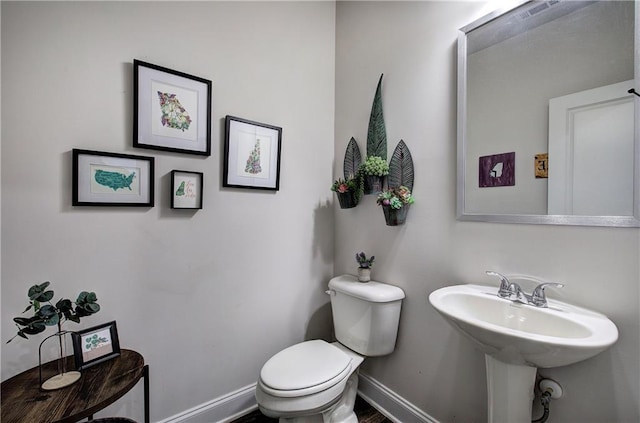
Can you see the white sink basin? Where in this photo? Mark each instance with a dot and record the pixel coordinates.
(522, 334)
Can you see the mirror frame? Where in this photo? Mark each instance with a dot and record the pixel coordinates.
(613, 221)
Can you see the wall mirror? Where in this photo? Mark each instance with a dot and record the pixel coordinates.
(547, 127)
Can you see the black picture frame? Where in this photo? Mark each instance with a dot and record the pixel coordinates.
(186, 189)
(95, 345)
(247, 145)
(111, 179)
(171, 110)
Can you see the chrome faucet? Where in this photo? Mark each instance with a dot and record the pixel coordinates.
(505, 285)
(512, 291)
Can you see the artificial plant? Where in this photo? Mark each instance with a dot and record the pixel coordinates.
(45, 313)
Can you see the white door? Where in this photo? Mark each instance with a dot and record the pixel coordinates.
(591, 152)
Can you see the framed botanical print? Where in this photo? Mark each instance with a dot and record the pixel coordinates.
(95, 345)
(251, 154)
(171, 110)
(186, 189)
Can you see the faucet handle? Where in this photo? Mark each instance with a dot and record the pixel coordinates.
(538, 297)
(505, 285)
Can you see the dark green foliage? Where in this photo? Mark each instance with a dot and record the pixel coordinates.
(377, 133)
(86, 304)
(401, 167)
(38, 293)
(50, 315)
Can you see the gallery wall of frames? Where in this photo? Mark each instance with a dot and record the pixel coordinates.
(172, 113)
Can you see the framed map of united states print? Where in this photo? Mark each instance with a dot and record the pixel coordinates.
(110, 179)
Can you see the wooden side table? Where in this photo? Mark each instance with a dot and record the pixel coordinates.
(98, 387)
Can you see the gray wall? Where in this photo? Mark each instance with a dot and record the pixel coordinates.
(208, 296)
(413, 44)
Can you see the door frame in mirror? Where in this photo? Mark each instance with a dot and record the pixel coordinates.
(609, 221)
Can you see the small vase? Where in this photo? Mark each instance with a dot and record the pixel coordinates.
(347, 199)
(395, 217)
(373, 184)
(64, 377)
(364, 274)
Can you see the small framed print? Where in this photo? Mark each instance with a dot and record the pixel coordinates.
(95, 345)
(251, 154)
(171, 110)
(186, 189)
(497, 170)
(111, 179)
(541, 164)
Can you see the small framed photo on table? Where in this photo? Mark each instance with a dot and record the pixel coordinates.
(95, 345)
(251, 154)
(171, 110)
(111, 179)
(186, 189)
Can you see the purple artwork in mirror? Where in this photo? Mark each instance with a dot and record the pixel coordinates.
(497, 170)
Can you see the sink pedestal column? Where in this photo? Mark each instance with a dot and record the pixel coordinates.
(509, 391)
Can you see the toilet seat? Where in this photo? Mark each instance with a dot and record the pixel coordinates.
(305, 369)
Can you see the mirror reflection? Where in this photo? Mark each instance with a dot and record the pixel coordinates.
(546, 126)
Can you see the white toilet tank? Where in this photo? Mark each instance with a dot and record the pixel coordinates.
(365, 315)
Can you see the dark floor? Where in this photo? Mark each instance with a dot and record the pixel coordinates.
(365, 413)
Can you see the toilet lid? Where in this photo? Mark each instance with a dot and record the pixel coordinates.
(304, 365)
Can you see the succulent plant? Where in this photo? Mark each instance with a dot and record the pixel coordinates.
(342, 185)
(375, 166)
(363, 261)
(396, 197)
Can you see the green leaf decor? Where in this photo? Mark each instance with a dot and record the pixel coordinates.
(352, 160)
(377, 134)
(401, 167)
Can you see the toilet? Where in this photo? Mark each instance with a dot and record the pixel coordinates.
(317, 381)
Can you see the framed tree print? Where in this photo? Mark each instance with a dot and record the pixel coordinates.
(171, 110)
(251, 154)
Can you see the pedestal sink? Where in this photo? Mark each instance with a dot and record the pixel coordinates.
(518, 338)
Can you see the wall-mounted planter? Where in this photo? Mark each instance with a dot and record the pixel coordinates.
(347, 200)
(373, 184)
(395, 217)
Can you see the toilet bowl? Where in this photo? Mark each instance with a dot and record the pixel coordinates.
(317, 381)
(310, 381)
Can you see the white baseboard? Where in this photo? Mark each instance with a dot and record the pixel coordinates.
(392, 405)
(220, 410)
(243, 401)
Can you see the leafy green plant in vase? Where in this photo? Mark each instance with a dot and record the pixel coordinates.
(347, 191)
(46, 314)
(364, 266)
(395, 204)
(372, 173)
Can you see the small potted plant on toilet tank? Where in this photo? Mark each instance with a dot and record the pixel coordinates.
(364, 266)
